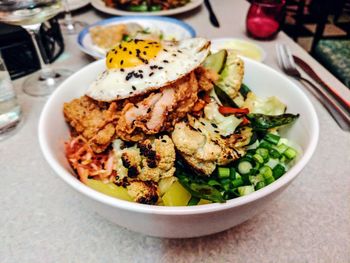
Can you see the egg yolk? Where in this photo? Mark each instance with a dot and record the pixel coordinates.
(132, 53)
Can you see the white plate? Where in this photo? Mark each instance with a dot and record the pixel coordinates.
(100, 5)
(171, 28)
(244, 48)
(76, 4)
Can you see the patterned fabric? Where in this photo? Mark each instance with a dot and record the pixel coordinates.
(335, 55)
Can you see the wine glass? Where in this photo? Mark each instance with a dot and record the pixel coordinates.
(30, 14)
(68, 24)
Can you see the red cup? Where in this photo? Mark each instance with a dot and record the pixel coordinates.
(264, 18)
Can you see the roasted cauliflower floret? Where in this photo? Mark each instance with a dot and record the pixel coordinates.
(147, 161)
(206, 142)
(144, 192)
(231, 77)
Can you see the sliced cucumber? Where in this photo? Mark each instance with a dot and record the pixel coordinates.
(216, 61)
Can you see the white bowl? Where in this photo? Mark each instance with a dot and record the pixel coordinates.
(179, 222)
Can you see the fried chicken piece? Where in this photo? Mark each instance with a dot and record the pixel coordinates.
(93, 120)
(161, 110)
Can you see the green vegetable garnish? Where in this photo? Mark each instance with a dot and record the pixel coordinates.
(264, 122)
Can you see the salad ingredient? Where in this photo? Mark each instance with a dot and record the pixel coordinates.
(224, 99)
(198, 188)
(231, 77)
(267, 106)
(145, 6)
(177, 195)
(264, 122)
(109, 189)
(216, 61)
(229, 110)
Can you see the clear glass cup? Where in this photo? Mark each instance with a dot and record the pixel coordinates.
(10, 110)
(69, 25)
(30, 14)
(264, 18)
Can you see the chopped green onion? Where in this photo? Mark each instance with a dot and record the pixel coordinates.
(281, 148)
(265, 144)
(232, 173)
(268, 174)
(213, 182)
(290, 153)
(258, 158)
(193, 201)
(260, 185)
(274, 153)
(237, 182)
(244, 167)
(272, 138)
(278, 171)
(155, 8)
(244, 190)
(126, 37)
(264, 153)
(266, 171)
(223, 172)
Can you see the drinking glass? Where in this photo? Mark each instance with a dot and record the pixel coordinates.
(30, 14)
(10, 110)
(264, 18)
(68, 24)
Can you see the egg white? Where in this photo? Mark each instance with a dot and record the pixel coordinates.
(175, 60)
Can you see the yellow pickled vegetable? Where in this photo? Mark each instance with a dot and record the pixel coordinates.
(204, 202)
(176, 195)
(109, 189)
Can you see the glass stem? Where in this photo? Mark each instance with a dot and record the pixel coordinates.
(34, 31)
(68, 19)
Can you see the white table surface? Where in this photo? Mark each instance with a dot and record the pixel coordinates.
(42, 220)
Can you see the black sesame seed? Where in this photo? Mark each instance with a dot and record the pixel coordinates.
(122, 70)
(214, 125)
(160, 67)
(130, 53)
(146, 46)
(199, 130)
(140, 71)
(110, 60)
(125, 49)
(144, 52)
(121, 62)
(150, 74)
(165, 61)
(203, 123)
(133, 87)
(216, 131)
(165, 50)
(174, 55)
(149, 110)
(179, 51)
(116, 52)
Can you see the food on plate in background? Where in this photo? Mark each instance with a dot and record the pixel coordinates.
(168, 123)
(145, 6)
(106, 37)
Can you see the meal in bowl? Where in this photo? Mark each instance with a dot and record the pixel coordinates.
(145, 6)
(168, 123)
(108, 36)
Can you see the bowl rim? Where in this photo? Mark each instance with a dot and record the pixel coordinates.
(181, 210)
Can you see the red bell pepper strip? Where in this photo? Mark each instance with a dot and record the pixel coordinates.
(229, 110)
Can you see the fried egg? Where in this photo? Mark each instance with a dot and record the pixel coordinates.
(138, 66)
